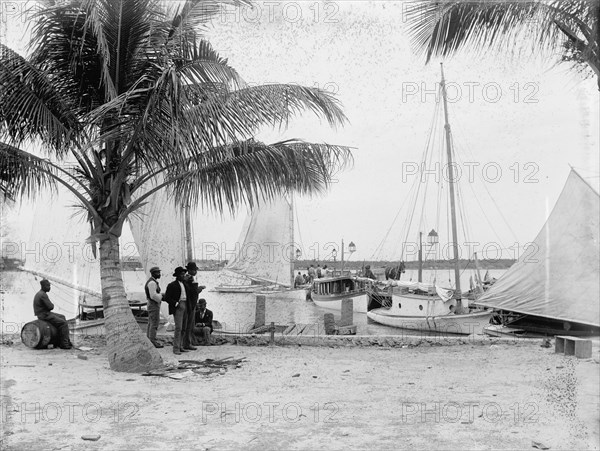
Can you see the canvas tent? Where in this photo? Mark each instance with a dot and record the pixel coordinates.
(559, 276)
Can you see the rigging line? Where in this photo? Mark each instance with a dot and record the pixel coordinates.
(466, 146)
(297, 225)
(483, 212)
(427, 152)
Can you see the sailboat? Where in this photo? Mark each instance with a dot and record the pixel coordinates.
(64, 257)
(264, 259)
(430, 307)
(556, 288)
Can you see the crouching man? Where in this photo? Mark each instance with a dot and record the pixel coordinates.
(203, 323)
(42, 308)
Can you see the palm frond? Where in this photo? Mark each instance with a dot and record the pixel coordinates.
(228, 176)
(224, 117)
(32, 107)
(23, 175)
(441, 28)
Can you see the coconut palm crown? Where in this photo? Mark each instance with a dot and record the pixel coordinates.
(118, 94)
(566, 29)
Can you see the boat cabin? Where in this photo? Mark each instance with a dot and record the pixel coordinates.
(339, 285)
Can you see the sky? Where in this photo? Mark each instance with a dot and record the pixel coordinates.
(518, 125)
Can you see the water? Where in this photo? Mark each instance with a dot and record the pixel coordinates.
(234, 310)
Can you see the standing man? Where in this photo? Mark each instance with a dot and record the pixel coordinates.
(154, 298)
(176, 296)
(188, 319)
(203, 320)
(369, 273)
(311, 273)
(42, 308)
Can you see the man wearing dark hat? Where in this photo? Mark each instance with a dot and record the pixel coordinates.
(187, 334)
(176, 296)
(203, 319)
(42, 308)
(154, 298)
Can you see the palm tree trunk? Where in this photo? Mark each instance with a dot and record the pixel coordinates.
(129, 349)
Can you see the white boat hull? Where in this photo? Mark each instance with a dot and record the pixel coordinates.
(463, 324)
(334, 302)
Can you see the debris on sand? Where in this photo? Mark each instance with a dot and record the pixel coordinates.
(187, 368)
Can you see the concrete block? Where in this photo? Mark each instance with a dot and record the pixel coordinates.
(260, 313)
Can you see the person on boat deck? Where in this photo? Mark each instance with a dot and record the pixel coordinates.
(154, 298)
(203, 320)
(369, 274)
(311, 273)
(319, 272)
(299, 280)
(176, 296)
(42, 308)
(187, 332)
(325, 271)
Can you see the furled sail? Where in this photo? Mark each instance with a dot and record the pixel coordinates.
(158, 229)
(559, 276)
(264, 252)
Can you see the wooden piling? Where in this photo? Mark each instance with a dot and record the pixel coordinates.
(272, 339)
(329, 321)
(347, 312)
(260, 313)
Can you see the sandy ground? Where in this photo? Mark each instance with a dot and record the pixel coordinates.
(464, 396)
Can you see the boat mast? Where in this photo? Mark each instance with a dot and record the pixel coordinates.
(189, 252)
(292, 245)
(420, 279)
(457, 292)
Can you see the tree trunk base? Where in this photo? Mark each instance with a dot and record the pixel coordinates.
(128, 349)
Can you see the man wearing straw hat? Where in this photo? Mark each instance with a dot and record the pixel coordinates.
(154, 298)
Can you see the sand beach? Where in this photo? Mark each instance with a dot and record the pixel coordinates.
(468, 393)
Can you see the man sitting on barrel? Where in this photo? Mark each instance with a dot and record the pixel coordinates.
(42, 308)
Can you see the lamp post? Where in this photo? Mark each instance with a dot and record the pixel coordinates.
(432, 240)
(334, 255)
(351, 249)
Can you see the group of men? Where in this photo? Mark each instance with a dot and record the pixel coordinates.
(193, 321)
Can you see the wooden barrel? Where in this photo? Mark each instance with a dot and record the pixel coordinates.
(39, 334)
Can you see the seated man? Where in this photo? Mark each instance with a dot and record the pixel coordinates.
(299, 280)
(42, 308)
(203, 323)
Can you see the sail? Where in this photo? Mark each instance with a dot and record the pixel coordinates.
(57, 250)
(559, 276)
(265, 248)
(158, 229)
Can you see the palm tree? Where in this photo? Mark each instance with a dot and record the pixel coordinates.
(123, 95)
(566, 28)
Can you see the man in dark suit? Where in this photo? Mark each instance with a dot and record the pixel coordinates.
(188, 318)
(203, 320)
(176, 296)
(42, 308)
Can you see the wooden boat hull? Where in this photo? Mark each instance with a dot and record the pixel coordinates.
(239, 288)
(464, 324)
(334, 301)
(95, 327)
(296, 294)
